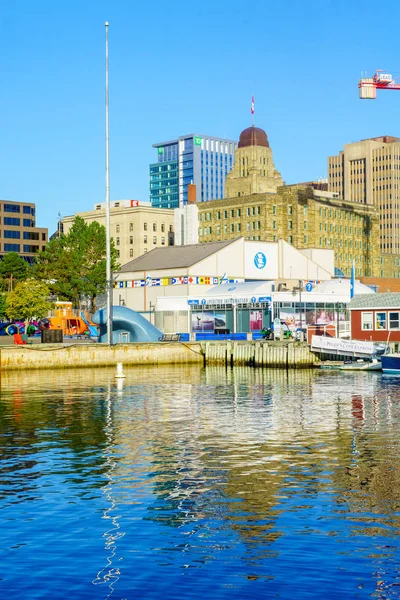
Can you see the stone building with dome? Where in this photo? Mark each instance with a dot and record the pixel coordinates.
(253, 171)
(260, 207)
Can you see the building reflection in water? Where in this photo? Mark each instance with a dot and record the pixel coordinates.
(222, 458)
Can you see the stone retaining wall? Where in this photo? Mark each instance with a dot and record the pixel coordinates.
(254, 353)
(46, 356)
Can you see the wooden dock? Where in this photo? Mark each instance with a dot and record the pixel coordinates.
(283, 355)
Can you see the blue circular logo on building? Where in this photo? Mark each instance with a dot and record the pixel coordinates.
(309, 286)
(260, 260)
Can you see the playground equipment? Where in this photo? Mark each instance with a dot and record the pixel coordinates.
(128, 326)
(70, 323)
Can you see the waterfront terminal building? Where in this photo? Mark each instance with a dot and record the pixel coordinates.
(235, 285)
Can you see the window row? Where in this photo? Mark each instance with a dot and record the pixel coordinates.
(380, 321)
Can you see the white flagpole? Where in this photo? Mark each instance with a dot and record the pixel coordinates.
(109, 289)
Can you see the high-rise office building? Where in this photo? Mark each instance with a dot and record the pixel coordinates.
(18, 231)
(368, 172)
(199, 159)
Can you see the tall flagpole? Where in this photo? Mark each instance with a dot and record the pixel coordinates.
(109, 289)
(252, 111)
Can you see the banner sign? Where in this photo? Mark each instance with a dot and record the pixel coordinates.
(336, 345)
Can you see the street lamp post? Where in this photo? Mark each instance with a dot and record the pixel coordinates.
(299, 288)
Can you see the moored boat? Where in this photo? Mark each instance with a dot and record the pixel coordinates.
(355, 365)
(365, 365)
(391, 363)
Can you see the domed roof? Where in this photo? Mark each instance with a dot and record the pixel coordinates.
(253, 136)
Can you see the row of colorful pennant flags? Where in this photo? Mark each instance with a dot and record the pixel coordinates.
(150, 281)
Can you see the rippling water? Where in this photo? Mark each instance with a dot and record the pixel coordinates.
(187, 483)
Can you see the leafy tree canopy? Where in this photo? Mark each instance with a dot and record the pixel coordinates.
(12, 264)
(74, 265)
(28, 300)
(3, 305)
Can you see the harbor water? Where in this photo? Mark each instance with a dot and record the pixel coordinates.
(185, 482)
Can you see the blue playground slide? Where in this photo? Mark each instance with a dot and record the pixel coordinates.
(127, 325)
(92, 329)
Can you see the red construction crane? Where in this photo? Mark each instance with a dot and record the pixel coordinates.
(380, 81)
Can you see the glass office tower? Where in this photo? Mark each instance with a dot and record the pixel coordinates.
(199, 159)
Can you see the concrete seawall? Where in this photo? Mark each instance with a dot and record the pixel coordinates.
(46, 356)
(254, 353)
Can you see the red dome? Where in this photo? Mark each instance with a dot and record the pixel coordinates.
(253, 136)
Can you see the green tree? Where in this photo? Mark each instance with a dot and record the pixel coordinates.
(3, 305)
(28, 300)
(13, 268)
(74, 265)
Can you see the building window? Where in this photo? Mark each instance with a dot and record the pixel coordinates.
(366, 321)
(145, 226)
(131, 239)
(163, 241)
(232, 227)
(12, 247)
(117, 242)
(15, 221)
(117, 228)
(12, 234)
(394, 320)
(290, 239)
(274, 210)
(170, 228)
(131, 252)
(289, 209)
(306, 239)
(232, 214)
(273, 224)
(130, 226)
(248, 211)
(225, 214)
(145, 239)
(305, 224)
(239, 227)
(43, 237)
(154, 239)
(26, 222)
(239, 212)
(380, 320)
(118, 253)
(154, 226)
(12, 208)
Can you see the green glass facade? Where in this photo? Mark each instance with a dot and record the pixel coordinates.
(164, 188)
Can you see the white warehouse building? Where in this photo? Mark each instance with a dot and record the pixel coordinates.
(234, 285)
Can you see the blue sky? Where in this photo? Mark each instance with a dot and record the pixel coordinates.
(181, 67)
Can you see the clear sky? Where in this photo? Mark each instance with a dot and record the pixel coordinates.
(182, 67)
